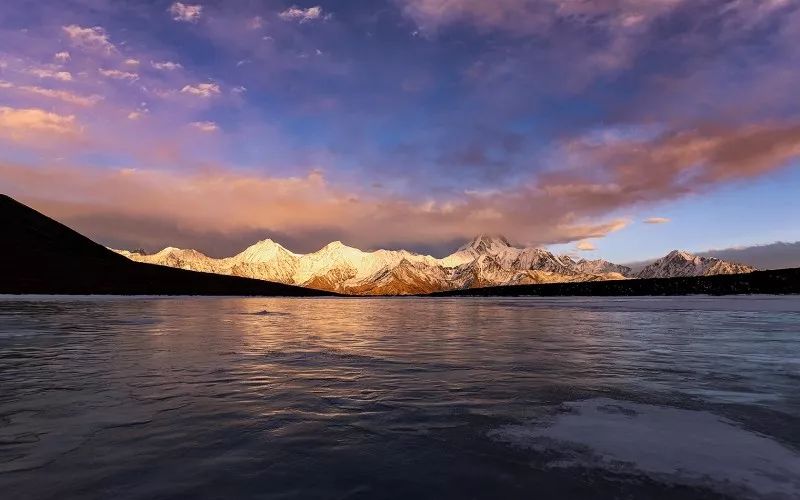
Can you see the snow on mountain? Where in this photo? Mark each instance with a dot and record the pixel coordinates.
(191, 260)
(600, 266)
(485, 261)
(265, 260)
(506, 256)
(342, 268)
(678, 264)
(496, 246)
(264, 252)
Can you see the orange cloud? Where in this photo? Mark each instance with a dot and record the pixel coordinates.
(31, 124)
(247, 202)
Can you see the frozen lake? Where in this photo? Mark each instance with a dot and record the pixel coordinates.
(139, 398)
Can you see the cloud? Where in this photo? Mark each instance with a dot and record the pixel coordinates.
(201, 89)
(536, 17)
(137, 114)
(302, 15)
(600, 37)
(132, 62)
(62, 95)
(630, 171)
(299, 205)
(597, 177)
(185, 13)
(166, 65)
(62, 56)
(585, 246)
(32, 124)
(656, 220)
(206, 126)
(95, 38)
(517, 55)
(255, 23)
(779, 255)
(118, 74)
(64, 76)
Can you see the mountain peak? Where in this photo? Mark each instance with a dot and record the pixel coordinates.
(179, 251)
(334, 245)
(486, 242)
(263, 251)
(681, 254)
(338, 248)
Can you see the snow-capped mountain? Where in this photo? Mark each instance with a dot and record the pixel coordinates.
(678, 263)
(265, 260)
(485, 261)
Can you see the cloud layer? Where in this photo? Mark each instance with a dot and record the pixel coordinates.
(405, 121)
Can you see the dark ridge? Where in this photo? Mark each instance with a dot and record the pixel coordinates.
(43, 256)
(777, 282)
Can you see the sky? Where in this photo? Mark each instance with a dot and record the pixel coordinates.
(619, 129)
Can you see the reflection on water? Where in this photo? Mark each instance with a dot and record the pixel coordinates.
(342, 398)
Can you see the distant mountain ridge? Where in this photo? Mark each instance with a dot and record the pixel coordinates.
(679, 264)
(487, 260)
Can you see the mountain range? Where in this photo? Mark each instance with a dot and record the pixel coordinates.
(486, 261)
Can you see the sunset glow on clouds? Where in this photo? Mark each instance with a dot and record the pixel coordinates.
(405, 122)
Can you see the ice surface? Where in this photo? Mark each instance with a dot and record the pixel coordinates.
(684, 446)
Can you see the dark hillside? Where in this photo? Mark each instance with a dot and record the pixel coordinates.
(40, 255)
(782, 281)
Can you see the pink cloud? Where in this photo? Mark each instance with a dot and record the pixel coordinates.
(89, 38)
(566, 204)
(117, 74)
(302, 15)
(244, 202)
(55, 74)
(185, 13)
(62, 95)
(201, 89)
(205, 126)
(635, 171)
